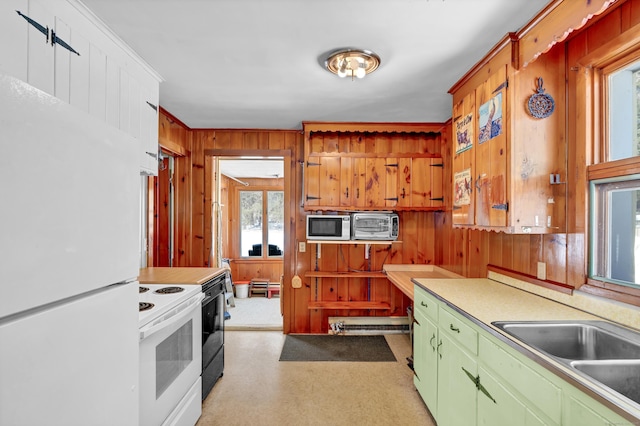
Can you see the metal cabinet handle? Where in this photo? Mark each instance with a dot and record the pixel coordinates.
(431, 341)
(476, 382)
(452, 328)
(438, 349)
(423, 304)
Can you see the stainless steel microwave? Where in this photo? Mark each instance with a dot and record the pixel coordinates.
(374, 226)
(328, 227)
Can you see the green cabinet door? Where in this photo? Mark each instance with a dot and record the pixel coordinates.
(425, 360)
(498, 406)
(582, 410)
(457, 402)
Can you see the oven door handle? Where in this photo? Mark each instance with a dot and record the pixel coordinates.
(173, 316)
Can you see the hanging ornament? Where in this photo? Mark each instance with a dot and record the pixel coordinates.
(540, 104)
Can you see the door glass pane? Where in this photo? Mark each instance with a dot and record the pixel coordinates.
(624, 100)
(251, 223)
(616, 224)
(275, 213)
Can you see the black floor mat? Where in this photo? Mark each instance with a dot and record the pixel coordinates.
(311, 347)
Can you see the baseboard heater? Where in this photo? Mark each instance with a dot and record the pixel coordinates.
(368, 325)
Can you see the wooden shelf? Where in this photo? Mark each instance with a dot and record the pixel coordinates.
(348, 305)
(353, 242)
(339, 274)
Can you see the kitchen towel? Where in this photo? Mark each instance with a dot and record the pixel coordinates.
(312, 347)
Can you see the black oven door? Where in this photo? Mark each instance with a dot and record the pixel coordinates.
(212, 333)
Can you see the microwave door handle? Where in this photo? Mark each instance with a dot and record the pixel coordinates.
(178, 314)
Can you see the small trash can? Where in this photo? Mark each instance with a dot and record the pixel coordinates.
(242, 291)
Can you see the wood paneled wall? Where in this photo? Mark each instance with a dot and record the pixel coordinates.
(469, 252)
(428, 238)
(195, 184)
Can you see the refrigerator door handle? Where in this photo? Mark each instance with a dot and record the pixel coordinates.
(173, 316)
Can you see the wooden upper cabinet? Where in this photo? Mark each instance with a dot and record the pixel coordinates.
(509, 159)
(373, 166)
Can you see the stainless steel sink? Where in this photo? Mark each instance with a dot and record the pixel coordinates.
(623, 376)
(575, 340)
(597, 350)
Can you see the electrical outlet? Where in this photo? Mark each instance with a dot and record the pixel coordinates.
(302, 246)
(542, 271)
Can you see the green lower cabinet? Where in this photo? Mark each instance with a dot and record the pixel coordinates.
(582, 410)
(498, 406)
(534, 388)
(457, 394)
(469, 377)
(425, 360)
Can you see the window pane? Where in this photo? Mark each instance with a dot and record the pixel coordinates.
(251, 223)
(275, 212)
(615, 225)
(624, 98)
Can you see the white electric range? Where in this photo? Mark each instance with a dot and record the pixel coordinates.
(170, 325)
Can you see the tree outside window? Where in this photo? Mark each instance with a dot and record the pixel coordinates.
(261, 223)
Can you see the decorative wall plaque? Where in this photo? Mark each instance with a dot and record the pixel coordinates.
(541, 105)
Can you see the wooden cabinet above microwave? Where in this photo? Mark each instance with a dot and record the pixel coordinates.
(372, 166)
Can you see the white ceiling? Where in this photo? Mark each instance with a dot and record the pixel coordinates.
(257, 63)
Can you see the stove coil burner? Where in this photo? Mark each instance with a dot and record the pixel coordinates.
(144, 306)
(169, 290)
(143, 289)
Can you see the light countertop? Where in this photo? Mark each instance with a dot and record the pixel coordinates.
(484, 301)
(165, 275)
(401, 275)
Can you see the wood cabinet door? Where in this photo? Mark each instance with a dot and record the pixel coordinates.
(437, 181)
(465, 140)
(375, 185)
(359, 181)
(346, 182)
(312, 181)
(391, 182)
(329, 181)
(491, 152)
(426, 182)
(404, 182)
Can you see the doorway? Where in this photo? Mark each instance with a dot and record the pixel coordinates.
(250, 230)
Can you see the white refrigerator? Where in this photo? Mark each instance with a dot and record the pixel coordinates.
(69, 259)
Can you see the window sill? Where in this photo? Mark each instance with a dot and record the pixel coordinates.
(611, 291)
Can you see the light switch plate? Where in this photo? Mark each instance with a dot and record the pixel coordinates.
(302, 246)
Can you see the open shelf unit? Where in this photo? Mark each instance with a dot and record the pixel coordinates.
(358, 304)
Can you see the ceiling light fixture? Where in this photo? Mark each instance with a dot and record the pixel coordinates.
(352, 62)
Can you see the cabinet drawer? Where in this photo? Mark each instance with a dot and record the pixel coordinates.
(542, 394)
(459, 330)
(425, 303)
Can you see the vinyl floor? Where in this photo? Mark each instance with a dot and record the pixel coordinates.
(257, 389)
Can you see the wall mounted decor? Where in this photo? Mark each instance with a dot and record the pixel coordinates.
(541, 105)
